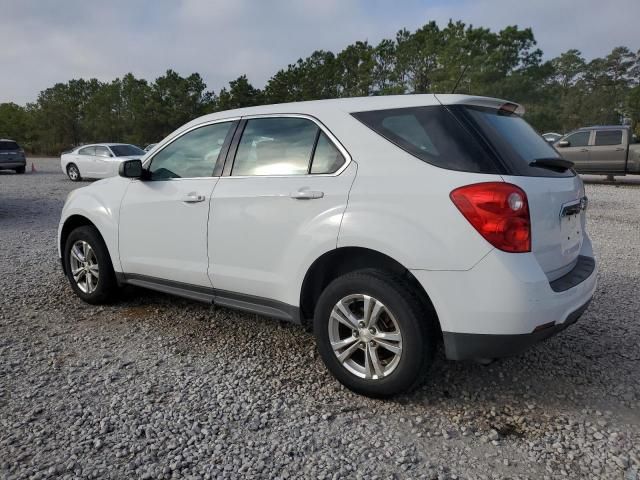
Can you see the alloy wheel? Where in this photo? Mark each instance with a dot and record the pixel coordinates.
(84, 266)
(365, 336)
(73, 173)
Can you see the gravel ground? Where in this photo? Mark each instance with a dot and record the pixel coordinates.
(159, 387)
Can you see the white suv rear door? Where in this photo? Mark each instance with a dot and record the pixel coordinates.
(163, 219)
(277, 207)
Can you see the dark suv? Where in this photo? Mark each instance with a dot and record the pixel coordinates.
(12, 156)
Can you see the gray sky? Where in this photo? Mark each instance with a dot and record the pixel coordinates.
(47, 41)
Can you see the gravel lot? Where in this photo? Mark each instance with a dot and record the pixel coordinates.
(159, 387)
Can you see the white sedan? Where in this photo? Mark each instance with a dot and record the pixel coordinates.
(99, 160)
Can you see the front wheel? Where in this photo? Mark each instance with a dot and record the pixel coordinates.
(88, 266)
(374, 334)
(73, 172)
(20, 170)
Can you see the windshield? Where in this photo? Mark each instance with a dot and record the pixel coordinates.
(8, 145)
(515, 141)
(126, 150)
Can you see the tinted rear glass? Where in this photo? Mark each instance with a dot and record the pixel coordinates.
(126, 150)
(7, 146)
(512, 139)
(433, 135)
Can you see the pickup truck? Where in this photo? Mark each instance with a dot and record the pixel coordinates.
(603, 150)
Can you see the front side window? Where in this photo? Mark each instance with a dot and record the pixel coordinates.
(192, 155)
(102, 152)
(87, 151)
(275, 146)
(578, 139)
(608, 137)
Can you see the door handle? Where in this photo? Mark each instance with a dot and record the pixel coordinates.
(306, 194)
(619, 149)
(584, 150)
(193, 197)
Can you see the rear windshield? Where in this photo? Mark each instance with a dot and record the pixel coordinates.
(126, 150)
(6, 145)
(465, 138)
(433, 135)
(513, 140)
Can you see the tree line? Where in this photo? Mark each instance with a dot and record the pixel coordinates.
(560, 94)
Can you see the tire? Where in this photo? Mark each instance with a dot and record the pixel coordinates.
(401, 311)
(73, 172)
(101, 286)
(20, 170)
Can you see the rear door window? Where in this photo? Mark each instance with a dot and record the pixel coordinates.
(87, 151)
(608, 137)
(326, 157)
(433, 135)
(275, 146)
(102, 152)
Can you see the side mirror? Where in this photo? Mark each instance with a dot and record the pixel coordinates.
(563, 143)
(130, 169)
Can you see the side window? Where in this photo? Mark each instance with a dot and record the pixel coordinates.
(102, 152)
(579, 139)
(275, 146)
(409, 129)
(434, 135)
(326, 158)
(87, 151)
(194, 154)
(608, 137)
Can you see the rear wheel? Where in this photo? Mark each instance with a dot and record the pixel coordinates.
(73, 172)
(20, 170)
(88, 266)
(373, 333)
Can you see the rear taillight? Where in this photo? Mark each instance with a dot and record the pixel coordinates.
(499, 212)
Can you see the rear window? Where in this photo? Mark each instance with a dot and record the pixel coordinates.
(512, 139)
(608, 137)
(433, 135)
(7, 145)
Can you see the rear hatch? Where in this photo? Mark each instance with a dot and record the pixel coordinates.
(10, 151)
(555, 193)
(489, 137)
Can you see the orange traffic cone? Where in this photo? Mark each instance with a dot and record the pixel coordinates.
(33, 168)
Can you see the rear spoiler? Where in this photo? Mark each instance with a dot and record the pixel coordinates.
(498, 104)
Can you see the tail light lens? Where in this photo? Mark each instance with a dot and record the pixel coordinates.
(499, 212)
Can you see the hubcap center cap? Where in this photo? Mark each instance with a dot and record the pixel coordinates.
(365, 335)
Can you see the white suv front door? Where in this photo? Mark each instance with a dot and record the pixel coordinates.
(277, 207)
(163, 220)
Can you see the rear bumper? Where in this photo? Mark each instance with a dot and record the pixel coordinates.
(9, 164)
(465, 346)
(505, 303)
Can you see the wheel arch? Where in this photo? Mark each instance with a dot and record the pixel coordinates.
(70, 224)
(343, 260)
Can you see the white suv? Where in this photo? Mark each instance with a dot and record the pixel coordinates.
(387, 223)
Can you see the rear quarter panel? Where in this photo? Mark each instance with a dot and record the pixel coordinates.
(400, 205)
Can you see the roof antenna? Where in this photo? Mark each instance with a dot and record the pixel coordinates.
(460, 78)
